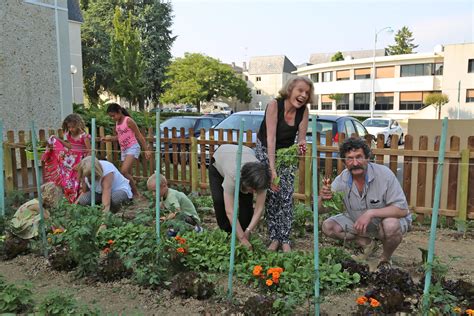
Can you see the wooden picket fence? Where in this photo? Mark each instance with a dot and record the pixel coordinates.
(181, 164)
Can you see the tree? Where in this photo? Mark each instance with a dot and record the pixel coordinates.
(437, 100)
(403, 40)
(152, 19)
(126, 59)
(336, 97)
(196, 78)
(337, 57)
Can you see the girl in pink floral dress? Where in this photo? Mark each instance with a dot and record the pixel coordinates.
(63, 156)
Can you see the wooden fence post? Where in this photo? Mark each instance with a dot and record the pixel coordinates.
(463, 185)
(394, 158)
(194, 166)
(108, 148)
(470, 193)
(7, 158)
(421, 182)
(453, 166)
(407, 167)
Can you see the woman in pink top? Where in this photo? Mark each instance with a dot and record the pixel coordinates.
(127, 135)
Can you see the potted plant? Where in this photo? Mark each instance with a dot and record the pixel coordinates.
(41, 147)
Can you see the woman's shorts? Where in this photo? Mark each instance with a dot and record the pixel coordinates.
(133, 150)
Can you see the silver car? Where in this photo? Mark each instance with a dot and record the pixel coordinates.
(385, 126)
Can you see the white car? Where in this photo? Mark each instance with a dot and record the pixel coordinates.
(385, 126)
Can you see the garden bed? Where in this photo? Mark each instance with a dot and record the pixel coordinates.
(127, 297)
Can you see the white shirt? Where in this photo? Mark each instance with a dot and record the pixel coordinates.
(120, 183)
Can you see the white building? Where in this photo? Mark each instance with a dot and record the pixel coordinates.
(400, 85)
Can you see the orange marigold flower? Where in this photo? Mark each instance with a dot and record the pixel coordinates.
(374, 302)
(269, 282)
(180, 240)
(275, 280)
(110, 242)
(361, 300)
(58, 231)
(276, 275)
(181, 250)
(106, 250)
(457, 310)
(470, 312)
(257, 270)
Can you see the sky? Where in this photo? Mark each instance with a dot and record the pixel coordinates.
(235, 30)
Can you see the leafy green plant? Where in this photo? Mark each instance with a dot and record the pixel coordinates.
(336, 204)
(15, 298)
(441, 302)
(202, 201)
(56, 303)
(302, 215)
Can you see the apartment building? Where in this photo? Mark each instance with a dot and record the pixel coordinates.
(400, 84)
(265, 77)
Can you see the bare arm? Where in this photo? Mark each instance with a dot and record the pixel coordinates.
(87, 142)
(141, 139)
(106, 183)
(303, 128)
(65, 143)
(259, 206)
(271, 121)
(389, 211)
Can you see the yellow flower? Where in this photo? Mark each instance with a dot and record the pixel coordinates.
(269, 282)
(457, 310)
(470, 312)
(58, 231)
(361, 300)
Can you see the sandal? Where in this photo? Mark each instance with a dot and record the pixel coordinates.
(384, 265)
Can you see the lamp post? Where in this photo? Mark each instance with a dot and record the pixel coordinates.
(73, 72)
(372, 103)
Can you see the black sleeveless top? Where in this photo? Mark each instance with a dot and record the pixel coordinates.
(285, 134)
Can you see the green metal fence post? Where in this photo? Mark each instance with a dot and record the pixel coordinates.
(93, 130)
(2, 180)
(315, 215)
(158, 175)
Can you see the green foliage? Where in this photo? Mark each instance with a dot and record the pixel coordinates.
(153, 21)
(403, 40)
(336, 204)
(15, 298)
(126, 60)
(337, 57)
(196, 78)
(287, 157)
(336, 97)
(57, 303)
(441, 301)
(302, 215)
(437, 100)
(202, 201)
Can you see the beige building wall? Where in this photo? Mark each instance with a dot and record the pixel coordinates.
(76, 60)
(29, 78)
(432, 128)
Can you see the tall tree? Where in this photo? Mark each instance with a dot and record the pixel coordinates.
(403, 40)
(337, 57)
(126, 60)
(153, 20)
(196, 78)
(437, 100)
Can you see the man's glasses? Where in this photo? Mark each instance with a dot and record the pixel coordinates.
(353, 159)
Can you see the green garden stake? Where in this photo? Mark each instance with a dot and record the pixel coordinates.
(93, 162)
(314, 155)
(238, 162)
(38, 187)
(2, 180)
(157, 173)
(434, 217)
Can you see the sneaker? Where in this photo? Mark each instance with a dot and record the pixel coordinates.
(366, 251)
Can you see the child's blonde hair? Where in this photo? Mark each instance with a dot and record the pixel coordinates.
(84, 168)
(150, 184)
(51, 194)
(76, 119)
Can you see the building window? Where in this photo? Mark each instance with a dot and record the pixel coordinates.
(342, 75)
(385, 72)
(326, 76)
(411, 101)
(314, 77)
(343, 103)
(438, 69)
(246, 78)
(470, 95)
(470, 66)
(361, 101)
(384, 101)
(421, 70)
(363, 73)
(258, 78)
(326, 106)
(314, 106)
(258, 92)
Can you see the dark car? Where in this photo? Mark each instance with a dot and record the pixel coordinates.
(337, 125)
(186, 122)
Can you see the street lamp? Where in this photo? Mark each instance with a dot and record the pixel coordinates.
(388, 29)
(73, 72)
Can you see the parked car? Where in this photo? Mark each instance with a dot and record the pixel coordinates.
(186, 122)
(337, 125)
(385, 126)
(217, 115)
(253, 120)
